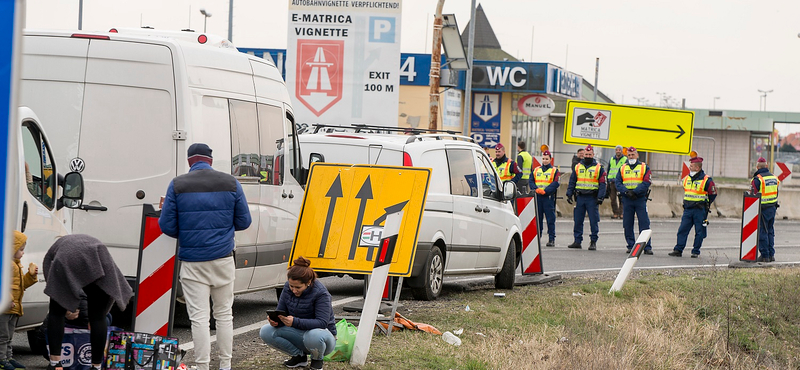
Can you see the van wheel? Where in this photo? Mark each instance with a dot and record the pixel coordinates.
(505, 279)
(433, 275)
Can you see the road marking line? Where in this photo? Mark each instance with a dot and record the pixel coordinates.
(244, 329)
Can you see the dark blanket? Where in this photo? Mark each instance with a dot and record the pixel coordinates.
(75, 261)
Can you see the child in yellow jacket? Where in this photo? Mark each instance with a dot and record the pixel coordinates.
(8, 320)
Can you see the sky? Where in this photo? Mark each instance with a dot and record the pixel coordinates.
(682, 49)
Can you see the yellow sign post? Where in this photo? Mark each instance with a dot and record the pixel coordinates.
(344, 210)
(649, 129)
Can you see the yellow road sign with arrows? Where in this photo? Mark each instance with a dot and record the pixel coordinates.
(344, 209)
(649, 129)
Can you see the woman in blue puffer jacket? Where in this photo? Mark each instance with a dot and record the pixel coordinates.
(308, 327)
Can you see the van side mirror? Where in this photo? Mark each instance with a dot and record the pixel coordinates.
(315, 157)
(509, 190)
(73, 191)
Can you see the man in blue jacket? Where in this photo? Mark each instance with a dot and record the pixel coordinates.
(202, 209)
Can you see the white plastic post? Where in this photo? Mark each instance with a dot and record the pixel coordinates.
(638, 248)
(372, 302)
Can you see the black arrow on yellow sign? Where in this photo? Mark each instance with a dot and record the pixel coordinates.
(365, 194)
(335, 192)
(680, 130)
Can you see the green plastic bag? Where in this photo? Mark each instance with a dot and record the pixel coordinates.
(345, 340)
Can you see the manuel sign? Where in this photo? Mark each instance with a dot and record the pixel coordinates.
(536, 105)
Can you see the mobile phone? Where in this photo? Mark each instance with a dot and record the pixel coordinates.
(273, 315)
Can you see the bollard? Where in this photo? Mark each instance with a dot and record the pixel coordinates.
(751, 216)
(531, 259)
(638, 248)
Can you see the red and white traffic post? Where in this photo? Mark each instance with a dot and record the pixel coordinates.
(372, 302)
(156, 278)
(637, 251)
(751, 216)
(531, 259)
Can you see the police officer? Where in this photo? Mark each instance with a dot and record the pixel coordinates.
(525, 162)
(506, 168)
(614, 165)
(698, 194)
(766, 184)
(633, 183)
(588, 184)
(545, 181)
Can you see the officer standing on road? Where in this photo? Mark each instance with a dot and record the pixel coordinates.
(766, 184)
(634, 180)
(698, 194)
(545, 181)
(506, 168)
(525, 161)
(613, 169)
(588, 184)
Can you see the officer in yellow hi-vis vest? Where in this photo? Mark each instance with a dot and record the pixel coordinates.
(588, 184)
(506, 168)
(633, 183)
(545, 181)
(698, 194)
(525, 163)
(766, 184)
(614, 164)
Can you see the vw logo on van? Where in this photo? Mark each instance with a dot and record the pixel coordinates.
(76, 165)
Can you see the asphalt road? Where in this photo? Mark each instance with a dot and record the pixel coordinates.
(719, 249)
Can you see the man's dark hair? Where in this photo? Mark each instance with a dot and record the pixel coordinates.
(521, 145)
(580, 150)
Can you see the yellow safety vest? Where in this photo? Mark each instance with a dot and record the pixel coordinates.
(587, 178)
(504, 170)
(544, 178)
(769, 193)
(614, 165)
(631, 178)
(527, 162)
(693, 190)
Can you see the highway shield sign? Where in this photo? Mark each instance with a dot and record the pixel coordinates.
(649, 129)
(344, 210)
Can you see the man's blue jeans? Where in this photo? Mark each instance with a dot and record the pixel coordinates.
(296, 342)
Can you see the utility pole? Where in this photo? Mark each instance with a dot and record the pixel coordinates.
(765, 92)
(230, 21)
(80, 15)
(468, 91)
(596, 72)
(436, 65)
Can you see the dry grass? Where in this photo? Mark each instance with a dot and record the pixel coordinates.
(717, 319)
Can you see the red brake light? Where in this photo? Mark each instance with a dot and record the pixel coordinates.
(345, 136)
(407, 160)
(113, 30)
(202, 39)
(87, 36)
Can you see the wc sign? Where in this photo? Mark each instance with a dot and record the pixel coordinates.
(343, 61)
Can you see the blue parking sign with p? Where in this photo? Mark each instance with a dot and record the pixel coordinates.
(382, 29)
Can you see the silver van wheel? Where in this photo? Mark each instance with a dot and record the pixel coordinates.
(434, 277)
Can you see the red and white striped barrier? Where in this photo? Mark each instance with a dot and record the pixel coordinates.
(531, 258)
(154, 302)
(751, 214)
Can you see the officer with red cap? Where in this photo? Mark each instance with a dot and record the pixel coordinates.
(633, 184)
(506, 168)
(698, 194)
(588, 184)
(545, 180)
(766, 184)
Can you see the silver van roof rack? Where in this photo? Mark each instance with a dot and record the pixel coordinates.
(416, 133)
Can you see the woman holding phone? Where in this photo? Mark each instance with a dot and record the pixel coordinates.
(306, 324)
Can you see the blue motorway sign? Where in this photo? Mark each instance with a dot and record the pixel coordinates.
(485, 123)
(10, 51)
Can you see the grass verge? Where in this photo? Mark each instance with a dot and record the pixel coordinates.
(687, 319)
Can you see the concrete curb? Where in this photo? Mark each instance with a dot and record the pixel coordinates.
(535, 279)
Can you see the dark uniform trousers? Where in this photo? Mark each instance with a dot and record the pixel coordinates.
(766, 232)
(584, 204)
(692, 217)
(546, 206)
(637, 207)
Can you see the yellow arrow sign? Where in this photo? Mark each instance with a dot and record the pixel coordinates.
(649, 129)
(344, 209)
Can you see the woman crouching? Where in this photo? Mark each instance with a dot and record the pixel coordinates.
(309, 326)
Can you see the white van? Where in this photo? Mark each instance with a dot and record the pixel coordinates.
(469, 225)
(44, 195)
(126, 106)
